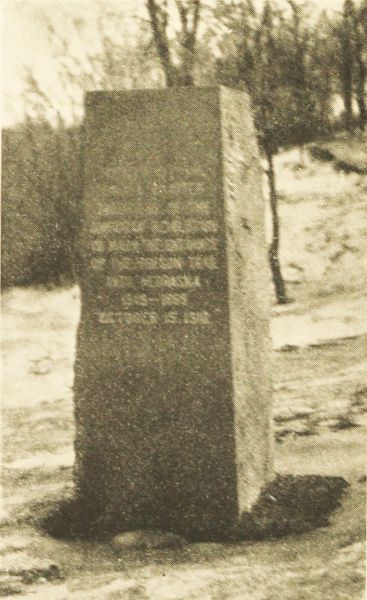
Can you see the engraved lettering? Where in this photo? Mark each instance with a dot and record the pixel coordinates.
(128, 300)
(171, 317)
(156, 263)
(131, 227)
(197, 318)
(184, 227)
(97, 246)
(97, 264)
(107, 318)
(139, 318)
(155, 208)
(181, 245)
(171, 281)
(128, 318)
(198, 263)
(174, 299)
(120, 281)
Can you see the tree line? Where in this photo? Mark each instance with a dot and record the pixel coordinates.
(293, 66)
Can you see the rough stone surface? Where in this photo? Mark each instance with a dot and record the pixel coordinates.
(172, 375)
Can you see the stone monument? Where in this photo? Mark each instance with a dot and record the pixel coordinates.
(172, 374)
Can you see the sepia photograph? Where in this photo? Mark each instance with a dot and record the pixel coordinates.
(184, 299)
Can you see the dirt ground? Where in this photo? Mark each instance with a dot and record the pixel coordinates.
(320, 403)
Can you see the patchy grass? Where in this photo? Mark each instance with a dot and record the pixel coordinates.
(348, 152)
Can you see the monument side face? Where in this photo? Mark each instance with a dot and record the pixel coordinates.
(249, 293)
(157, 373)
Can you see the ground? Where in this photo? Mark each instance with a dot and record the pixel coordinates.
(320, 398)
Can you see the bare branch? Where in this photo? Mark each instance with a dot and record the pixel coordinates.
(159, 22)
(183, 12)
(189, 34)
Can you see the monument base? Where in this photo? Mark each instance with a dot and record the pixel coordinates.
(288, 505)
(76, 518)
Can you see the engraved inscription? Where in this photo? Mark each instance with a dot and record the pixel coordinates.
(132, 318)
(141, 254)
(171, 281)
(172, 296)
(128, 300)
(107, 318)
(97, 264)
(176, 226)
(199, 263)
(97, 246)
(174, 299)
(128, 318)
(172, 208)
(156, 263)
(181, 245)
(188, 226)
(120, 281)
(171, 317)
(173, 246)
(197, 317)
(156, 254)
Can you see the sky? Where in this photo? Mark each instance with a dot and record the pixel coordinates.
(27, 44)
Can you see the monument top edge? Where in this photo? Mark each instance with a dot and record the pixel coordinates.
(91, 96)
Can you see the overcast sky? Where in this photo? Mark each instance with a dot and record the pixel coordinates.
(26, 41)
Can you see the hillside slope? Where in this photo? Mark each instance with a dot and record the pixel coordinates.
(320, 402)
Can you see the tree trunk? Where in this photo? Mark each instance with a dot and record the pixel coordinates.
(348, 110)
(280, 290)
(360, 93)
(159, 21)
(347, 63)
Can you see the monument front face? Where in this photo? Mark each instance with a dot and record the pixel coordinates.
(172, 375)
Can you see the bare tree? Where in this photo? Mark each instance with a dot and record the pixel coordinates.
(189, 15)
(266, 54)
